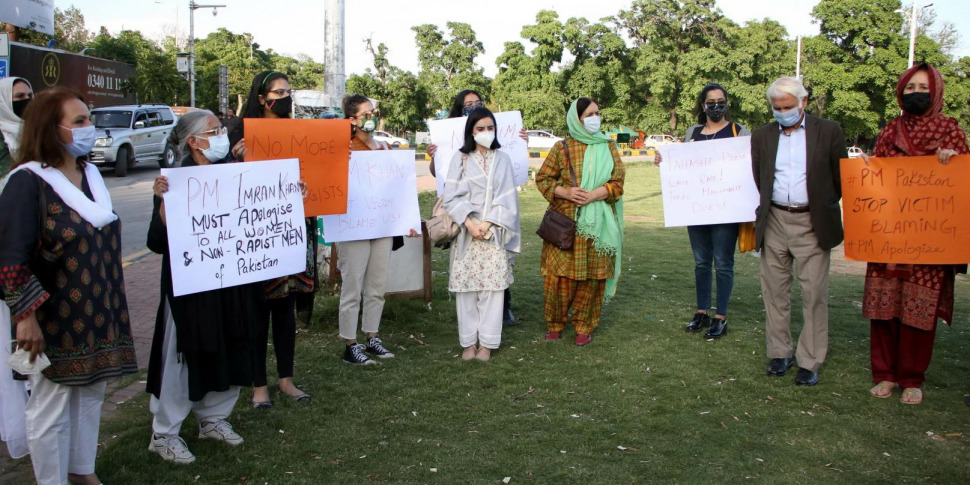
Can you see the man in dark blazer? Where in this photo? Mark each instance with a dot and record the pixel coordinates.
(796, 168)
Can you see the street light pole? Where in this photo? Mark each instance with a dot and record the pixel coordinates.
(192, 8)
(913, 18)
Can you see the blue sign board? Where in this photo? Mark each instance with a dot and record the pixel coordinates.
(3, 68)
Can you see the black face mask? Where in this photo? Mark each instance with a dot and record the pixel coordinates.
(715, 112)
(19, 106)
(281, 107)
(916, 103)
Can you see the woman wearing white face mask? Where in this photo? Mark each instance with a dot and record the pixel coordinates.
(202, 349)
(62, 278)
(582, 178)
(480, 192)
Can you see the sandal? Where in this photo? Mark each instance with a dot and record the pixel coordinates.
(469, 353)
(883, 390)
(912, 395)
(301, 397)
(484, 354)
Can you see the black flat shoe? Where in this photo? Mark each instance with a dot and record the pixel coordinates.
(779, 367)
(806, 377)
(301, 397)
(699, 321)
(718, 328)
(262, 404)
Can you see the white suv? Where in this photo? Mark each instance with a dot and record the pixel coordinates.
(127, 135)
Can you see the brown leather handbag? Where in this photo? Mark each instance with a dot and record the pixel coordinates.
(557, 228)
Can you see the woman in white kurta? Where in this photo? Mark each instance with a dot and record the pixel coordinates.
(480, 194)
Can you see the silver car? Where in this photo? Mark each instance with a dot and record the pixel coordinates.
(127, 135)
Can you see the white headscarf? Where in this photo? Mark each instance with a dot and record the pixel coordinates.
(10, 123)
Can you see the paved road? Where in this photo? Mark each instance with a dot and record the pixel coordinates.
(131, 197)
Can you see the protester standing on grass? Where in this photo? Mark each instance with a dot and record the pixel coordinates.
(202, 347)
(270, 98)
(463, 104)
(577, 280)
(795, 160)
(60, 271)
(480, 194)
(712, 241)
(903, 301)
(363, 264)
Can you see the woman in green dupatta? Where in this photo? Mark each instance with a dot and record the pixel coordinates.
(579, 279)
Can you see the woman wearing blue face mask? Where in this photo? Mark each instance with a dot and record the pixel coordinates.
(202, 346)
(61, 276)
(713, 241)
(582, 178)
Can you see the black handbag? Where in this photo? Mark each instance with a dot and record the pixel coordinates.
(557, 228)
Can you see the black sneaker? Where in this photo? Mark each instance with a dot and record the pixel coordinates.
(354, 354)
(699, 321)
(376, 348)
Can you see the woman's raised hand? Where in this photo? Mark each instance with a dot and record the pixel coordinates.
(945, 154)
(161, 186)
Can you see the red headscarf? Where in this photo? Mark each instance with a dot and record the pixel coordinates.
(915, 135)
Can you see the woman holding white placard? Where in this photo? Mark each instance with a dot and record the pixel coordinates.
(712, 241)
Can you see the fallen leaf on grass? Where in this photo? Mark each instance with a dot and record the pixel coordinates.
(759, 459)
(562, 451)
(705, 412)
(529, 474)
(506, 480)
(885, 454)
(934, 436)
(526, 393)
(723, 425)
(954, 435)
(573, 415)
(626, 448)
(433, 470)
(830, 467)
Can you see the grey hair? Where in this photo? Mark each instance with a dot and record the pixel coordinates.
(787, 85)
(189, 124)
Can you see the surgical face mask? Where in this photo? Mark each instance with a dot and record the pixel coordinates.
(592, 124)
(281, 107)
(715, 112)
(788, 118)
(218, 148)
(485, 138)
(916, 103)
(83, 140)
(368, 126)
(19, 106)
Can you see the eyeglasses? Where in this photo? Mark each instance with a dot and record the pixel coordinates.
(214, 132)
(474, 104)
(281, 92)
(366, 115)
(716, 104)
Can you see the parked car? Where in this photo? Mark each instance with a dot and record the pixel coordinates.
(393, 141)
(130, 134)
(654, 141)
(541, 139)
(854, 152)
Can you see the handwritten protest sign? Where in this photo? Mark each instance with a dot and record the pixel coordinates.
(234, 223)
(323, 148)
(708, 182)
(382, 200)
(907, 210)
(449, 135)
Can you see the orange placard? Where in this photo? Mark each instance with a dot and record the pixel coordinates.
(907, 210)
(323, 147)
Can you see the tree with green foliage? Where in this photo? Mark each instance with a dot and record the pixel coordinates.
(404, 102)
(156, 79)
(448, 64)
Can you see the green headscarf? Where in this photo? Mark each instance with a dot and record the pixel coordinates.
(597, 220)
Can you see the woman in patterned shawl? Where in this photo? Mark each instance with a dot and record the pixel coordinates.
(903, 301)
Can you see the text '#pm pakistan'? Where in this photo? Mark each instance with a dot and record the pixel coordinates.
(261, 227)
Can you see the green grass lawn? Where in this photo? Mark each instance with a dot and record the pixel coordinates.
(644, 403)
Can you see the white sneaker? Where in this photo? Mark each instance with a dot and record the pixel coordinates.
(171, 448)
(219, 430)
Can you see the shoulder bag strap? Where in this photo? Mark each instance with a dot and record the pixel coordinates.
(734, 128)
(565, 150)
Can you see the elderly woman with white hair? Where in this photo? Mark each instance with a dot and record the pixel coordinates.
(203, 346)
(795, 160)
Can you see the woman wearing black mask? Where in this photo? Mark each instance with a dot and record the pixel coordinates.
(15, 93)
(712, 241)
(270, 98)
(904, 301)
